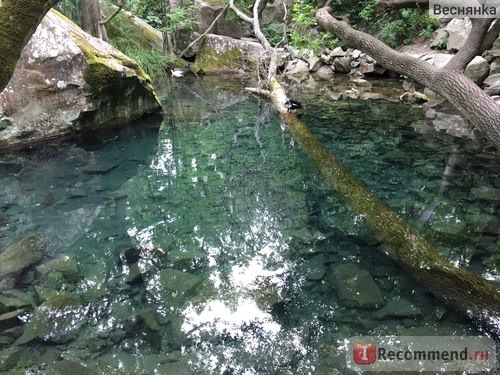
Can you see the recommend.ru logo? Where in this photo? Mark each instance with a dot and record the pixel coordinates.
(421, 353)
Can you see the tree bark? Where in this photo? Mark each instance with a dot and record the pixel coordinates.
(466, 292)
(92, 19)
(451, 84)
(18, 21)
(254, 21)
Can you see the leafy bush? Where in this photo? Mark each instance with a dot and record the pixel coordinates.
(301, 36)
(274, 32)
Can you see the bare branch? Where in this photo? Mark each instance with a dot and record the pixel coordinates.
(209, 28)
(120, 6)
(239, 13)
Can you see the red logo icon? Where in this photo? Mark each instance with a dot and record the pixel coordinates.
(365, 353)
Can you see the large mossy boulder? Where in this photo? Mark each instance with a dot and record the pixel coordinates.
(222, 54)
(67, 81)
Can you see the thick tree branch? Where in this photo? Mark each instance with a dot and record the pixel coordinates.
(460, 91)
(18, 21)
(471, 46)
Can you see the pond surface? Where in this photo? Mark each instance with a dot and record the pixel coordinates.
(209, 243)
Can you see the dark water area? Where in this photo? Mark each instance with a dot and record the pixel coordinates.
(207, 243)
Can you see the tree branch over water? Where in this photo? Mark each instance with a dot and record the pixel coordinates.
(449, 82)
(466, 292)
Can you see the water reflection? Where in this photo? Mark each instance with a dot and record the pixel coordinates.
(226, 252)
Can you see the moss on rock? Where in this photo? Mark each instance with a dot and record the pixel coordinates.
(209, 60)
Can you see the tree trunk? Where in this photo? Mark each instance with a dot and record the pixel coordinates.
(449, 82)
(18, 21)
(92, 19)
(466, 292)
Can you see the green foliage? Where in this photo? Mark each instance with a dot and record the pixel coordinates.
(441, 44)
(301, 36)
(157, 13)
(407, 28)
(399, 27)
(127, 38)
(71, 9)
(274, 32)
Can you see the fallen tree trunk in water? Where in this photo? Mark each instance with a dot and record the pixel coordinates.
(474, 296)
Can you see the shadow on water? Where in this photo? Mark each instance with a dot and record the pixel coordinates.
(216, 248)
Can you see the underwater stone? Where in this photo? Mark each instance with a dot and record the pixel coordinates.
(175, 281)
(100, 167)
(21, 255)
(66, 367)
(356, 287)
(58, 320)
(9, 358)
(66, 265)
(398, 308)
(314, 268)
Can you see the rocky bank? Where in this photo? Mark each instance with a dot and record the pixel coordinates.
(65, 82)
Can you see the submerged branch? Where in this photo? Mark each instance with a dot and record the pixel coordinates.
(474, 296)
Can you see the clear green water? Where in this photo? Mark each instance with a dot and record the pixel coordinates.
(211, 246)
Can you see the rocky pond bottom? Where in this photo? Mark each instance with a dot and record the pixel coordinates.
(212, 246)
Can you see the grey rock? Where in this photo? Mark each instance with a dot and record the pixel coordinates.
(223, 54)
(21, 255)
(440, 35)
(205, 13)
(495, 49)
(495, 66)
(337, 52)
(324, 73)
(477, 70)
(68, 81)
(492, 84)
(398, 308)
(458, 30)
(297, 68)
(9, 358)
(356, 288)
(314, 63)
(342, 64)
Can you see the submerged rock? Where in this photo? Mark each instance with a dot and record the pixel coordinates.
(22, 255)
(57, 320)
(66, 367)
(398, 308)
(356, 288)
(67, 81)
